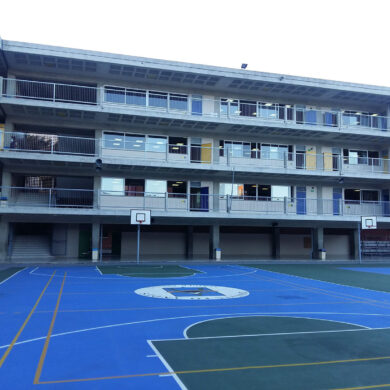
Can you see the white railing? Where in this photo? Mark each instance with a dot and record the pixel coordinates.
(48, 143)
(192, 105)
(139, 150)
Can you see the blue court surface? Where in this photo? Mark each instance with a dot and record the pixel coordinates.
(224, 327)
(375, 270)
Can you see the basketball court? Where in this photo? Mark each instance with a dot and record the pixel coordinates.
(195, 327)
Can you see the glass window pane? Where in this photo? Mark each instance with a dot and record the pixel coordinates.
(353, 157)
(156, 188)
(268, 111)
(178, 102)
(158, 99)
(113, 140)
(114, 94)
(113, 186)
(156, 144)
(370, 196)
(135, 142)
(280, 192)
(136, 97)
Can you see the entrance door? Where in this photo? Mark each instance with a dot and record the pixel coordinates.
(199, 199)
(337, 196)
(301, 200)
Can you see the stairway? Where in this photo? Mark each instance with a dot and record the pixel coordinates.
(31, 247)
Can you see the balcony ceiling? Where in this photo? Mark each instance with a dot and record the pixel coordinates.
(79, 64)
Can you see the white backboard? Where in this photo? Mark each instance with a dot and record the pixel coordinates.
(368, 222)
(140, 217)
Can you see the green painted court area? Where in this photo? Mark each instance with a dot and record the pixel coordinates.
(148, 271)
(278, 353)
(336, 274)
(6, 273)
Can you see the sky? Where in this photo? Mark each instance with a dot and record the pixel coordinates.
(345, 40)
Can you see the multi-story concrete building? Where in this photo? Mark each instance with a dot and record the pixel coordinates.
(260, 165)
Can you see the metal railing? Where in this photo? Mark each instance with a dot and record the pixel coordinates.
(188, 202)
(47, 197)
(48, 143)
(192, 105)
(139, 150)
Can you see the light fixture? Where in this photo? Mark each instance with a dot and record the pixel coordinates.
(179, 144)
(254, 113)
(268, 104)
(179, 182)
(357, 190)
(237, 112)
(374, 114)
(244, 66)
(175, 148)
(229, 100)
(358, 113)
(288, 106)
(140, 141)
(175, 185)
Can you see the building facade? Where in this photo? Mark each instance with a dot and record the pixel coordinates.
(259, 165)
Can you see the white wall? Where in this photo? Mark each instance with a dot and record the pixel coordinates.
(291, 246)
(154, 244)
(337, 246)
(241, 245)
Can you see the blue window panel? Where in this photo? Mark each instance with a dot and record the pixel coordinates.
(301, 200)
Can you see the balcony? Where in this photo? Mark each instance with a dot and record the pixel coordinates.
(191, 205)
(138, 152)
(194, 106)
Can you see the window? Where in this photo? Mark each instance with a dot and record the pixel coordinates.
(250, 191)
(361, 157)
(114, 94)
(178, 102)
(264, 192)
(135, 142)
(177, 145)
(248, 108)
(156, 188)
(236, 190)
(134, 187)
(274, 152)
(113, 140)
(158, 99)
(280, 192)
(229, 107)
(268, 111)
(237, 149)
(357, 196)
(136, 97)
(177, 189)
(113, 186)
(156, 144)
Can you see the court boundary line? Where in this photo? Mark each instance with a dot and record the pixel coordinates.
(278, 316)
(9, 277)
(42, 358)
(167, 365)
(14, 340)
(383, 385)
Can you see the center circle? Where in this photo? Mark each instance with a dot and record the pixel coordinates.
(191, 291)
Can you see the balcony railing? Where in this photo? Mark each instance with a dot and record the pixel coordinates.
(48, 143)
(183, 202)
(135, 151)
(192, 105)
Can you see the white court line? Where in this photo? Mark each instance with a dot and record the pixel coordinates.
(124, 278)
(98, 270)
(278, 316)
(13, 275)
(217, 315)
(33, 270)
(167, 366)
(151, 356)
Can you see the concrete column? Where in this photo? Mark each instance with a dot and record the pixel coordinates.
(215, 151)
(95, 241)
(190, 243)
(317, 241)
(354, 244)
(72, 242)
(320, 206)
(275, 242)
(213, 240)
(4, 232)
(388, 115)
(98, 143)
(216, 196)
(96, 191)
(6, 181)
